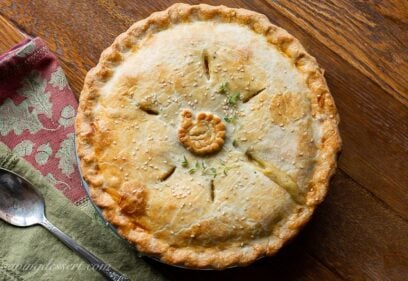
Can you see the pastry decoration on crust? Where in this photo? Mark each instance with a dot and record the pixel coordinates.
(203, 136)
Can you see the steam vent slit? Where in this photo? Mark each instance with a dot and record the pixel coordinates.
(168, 174)
(254, 94)
(149, 110)
(206, 65)
(212, 190)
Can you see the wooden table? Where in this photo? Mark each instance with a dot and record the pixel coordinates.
(360, 232)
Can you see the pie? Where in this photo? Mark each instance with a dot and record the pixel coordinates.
(207, 136)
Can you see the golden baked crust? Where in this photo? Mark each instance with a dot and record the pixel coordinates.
(252, 182)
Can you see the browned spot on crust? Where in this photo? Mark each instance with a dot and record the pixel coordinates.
(101, 138)
(116, 196)
(133, 198)
(112, 176)
(288, 107)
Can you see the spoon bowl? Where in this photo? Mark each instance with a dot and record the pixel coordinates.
(20, 203)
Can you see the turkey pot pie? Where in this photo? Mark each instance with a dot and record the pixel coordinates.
(207, 135)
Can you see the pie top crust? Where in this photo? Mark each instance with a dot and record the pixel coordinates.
(207, 135)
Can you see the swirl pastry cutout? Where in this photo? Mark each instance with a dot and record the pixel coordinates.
(203, 136)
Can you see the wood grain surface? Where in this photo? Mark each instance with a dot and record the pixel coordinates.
(360, 232)
(9, 35)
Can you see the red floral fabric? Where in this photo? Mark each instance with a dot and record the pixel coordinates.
(37, 111)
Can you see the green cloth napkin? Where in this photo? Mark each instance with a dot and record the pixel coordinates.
(32, 253)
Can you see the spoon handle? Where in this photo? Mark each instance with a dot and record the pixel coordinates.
(95, 262)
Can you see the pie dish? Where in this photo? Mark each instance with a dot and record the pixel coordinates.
(207, 136)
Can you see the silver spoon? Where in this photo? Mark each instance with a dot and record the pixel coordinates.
(21, 205)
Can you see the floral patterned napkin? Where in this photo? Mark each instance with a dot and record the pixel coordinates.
(37, 111)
